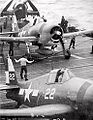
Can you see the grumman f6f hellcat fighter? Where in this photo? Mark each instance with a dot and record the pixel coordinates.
(42, 34)
(57, 94)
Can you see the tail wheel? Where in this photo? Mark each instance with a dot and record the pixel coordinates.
(67, 54)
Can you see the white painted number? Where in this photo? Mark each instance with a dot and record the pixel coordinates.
(50, 93)
(47, 93)
(12, 76)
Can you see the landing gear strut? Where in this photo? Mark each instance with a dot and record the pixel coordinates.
(18, 105)
(66, 52)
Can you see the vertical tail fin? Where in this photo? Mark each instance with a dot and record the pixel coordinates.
(14, 24)
(10, 73)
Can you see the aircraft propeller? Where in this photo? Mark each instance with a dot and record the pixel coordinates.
(56, 33)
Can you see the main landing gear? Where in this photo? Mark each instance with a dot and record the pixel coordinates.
(66, 52)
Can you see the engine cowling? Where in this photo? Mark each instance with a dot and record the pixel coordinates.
(56, 33)
(45, 32)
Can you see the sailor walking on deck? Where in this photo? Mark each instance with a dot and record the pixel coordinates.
(72, 43)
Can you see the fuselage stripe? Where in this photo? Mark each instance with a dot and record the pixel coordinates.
(82, 91)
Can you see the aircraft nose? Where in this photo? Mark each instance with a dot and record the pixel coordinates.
(56, 32)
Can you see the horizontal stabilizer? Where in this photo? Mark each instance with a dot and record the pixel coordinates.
(8, 87)
(44, 110)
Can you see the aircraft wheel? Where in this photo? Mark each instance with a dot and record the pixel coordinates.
(67, 54)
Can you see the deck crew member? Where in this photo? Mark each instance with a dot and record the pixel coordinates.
(72, 43)
(23, 62)
(11, 46)
(64, 24)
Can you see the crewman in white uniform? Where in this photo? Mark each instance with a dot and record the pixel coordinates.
(23, 65)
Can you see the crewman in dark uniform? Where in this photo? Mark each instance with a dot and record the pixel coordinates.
(64, 24)
(72, 43)
(11, 46)
(91, 50)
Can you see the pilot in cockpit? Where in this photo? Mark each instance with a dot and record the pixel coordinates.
(59, 75)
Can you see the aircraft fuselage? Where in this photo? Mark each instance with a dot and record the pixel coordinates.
(75, 92)
(41, 30)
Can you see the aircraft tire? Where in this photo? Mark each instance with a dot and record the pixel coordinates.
(67, 54)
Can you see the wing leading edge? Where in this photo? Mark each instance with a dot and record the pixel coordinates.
(44, 110)
(18, 39)
(67, 35)
(33, 39)
(7, 87)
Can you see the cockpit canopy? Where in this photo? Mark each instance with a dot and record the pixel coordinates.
(60, 75)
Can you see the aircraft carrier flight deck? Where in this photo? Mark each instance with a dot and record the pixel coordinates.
(80, 63)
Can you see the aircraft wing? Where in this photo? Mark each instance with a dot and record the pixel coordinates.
(44, 110)
(67, 35)
(7, 87)
(18, 39)
(7, 33)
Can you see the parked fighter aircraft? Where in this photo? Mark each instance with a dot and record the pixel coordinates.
(55, 94)
(41, 34)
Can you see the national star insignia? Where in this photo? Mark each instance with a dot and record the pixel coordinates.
(27, 93)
